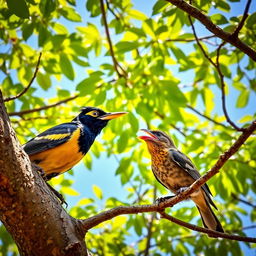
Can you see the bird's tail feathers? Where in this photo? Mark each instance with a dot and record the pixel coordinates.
(209, 219)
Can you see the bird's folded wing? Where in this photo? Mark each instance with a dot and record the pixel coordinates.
(50, 138)
(185, 163)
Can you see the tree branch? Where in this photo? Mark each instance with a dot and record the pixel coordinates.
(28, 111)
(149, 228)
(116, 64)
(189, 40)
(198, 42)
(209, 232)
(227, 37)
(241, 24)
(93, 221)
(27, 205)
(206, 117)
(30, 83)
(172, 125)
(243, 201)
(217, 67)
(120, 210)
(223, 98)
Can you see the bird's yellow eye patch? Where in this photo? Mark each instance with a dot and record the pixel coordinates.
(93, 113)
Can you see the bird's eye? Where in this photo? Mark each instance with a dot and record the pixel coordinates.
(93, 113)
(158, 134)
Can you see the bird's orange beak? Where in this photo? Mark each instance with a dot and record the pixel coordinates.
(113, 115)
(148, 135)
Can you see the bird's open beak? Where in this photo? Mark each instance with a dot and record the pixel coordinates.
(148, 135)
(110, 116)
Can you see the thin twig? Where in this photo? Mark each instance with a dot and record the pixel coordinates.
(206, 117)
(223, 98)
(241, 24)
(217, 67)
(189, 39)
(209, 232)
(172, 125)
(198, 42)
(116, 64)
(206, 21)
(149, 228)
(29, 84)
(111, 10)
(95, 220)
(28, 111)
(243, 201)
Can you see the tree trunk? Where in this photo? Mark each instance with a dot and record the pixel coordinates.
(28, 209)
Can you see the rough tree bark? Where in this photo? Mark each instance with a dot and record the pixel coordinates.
(28, 209)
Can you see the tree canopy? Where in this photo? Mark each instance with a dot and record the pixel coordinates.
(185, 68)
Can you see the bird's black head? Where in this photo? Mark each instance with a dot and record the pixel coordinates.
(96, 119)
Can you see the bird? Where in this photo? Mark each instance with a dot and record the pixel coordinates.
(175, 171)
(61, 147)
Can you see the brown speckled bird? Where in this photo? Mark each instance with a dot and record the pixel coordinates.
(175, 171)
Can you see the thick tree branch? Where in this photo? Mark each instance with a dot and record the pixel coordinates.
(205, 20)
(24, 112)
(115, 62)
(30, 83)
(109, 214)
(121, 210)
(23, 191)
(227, 37)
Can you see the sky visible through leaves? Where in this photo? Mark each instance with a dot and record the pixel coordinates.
(100, 182)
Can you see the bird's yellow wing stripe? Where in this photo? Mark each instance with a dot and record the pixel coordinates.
(53, 136)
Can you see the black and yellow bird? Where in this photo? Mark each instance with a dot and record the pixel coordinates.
(59, 148)
(175, 171)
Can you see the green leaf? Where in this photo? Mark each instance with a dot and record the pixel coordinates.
(159, 6)
(27, 30)
(79, 49)
(72, 2)
(123, 47)
(69, 191)
(251, 20)
(137, 14)
(47, 7)
(173, 93)
(219, 19)
(85, 201)
(19, 8)
(97, 191)
(43, 35)
(88, 85)
(70, 14)
(222, 5)
(148, 28)
(66, 67)
(80, 62)
(43, 80)
(242, 99)
(93, 7)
